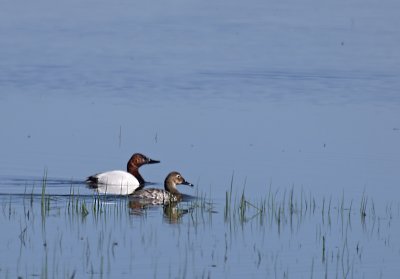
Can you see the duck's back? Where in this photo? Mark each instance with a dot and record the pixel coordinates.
(114, 182)
(155, 196)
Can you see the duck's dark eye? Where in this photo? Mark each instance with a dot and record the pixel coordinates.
(178, 176)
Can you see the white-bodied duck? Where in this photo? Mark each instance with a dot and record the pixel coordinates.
(120, 182)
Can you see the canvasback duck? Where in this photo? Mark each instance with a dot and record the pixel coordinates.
(163, 196)
(120, 182)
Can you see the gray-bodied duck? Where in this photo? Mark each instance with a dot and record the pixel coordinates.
(163, 196)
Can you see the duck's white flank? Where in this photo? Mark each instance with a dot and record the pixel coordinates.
(116, 182)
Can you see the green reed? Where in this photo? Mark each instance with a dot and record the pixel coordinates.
(274, 210)
(290, 207)
(45, 199)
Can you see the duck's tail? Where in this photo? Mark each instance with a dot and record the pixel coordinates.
(92, 181)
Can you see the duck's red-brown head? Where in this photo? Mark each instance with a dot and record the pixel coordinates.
(135, 162)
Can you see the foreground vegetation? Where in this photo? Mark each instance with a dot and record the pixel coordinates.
(283, 233)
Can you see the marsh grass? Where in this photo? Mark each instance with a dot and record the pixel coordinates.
(291, 208)
(283, 213)
(45, 199)
(76, 205)
(294, 208)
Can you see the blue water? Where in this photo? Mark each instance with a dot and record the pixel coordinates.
(280, 95)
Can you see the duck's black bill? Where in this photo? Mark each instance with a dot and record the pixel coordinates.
(187, 183)
(151, 161)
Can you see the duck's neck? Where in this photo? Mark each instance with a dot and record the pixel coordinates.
(171, 188)
(134, 170)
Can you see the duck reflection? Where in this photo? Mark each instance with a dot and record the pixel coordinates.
(172, 212)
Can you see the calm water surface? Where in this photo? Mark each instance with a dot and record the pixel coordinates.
(285, 116)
